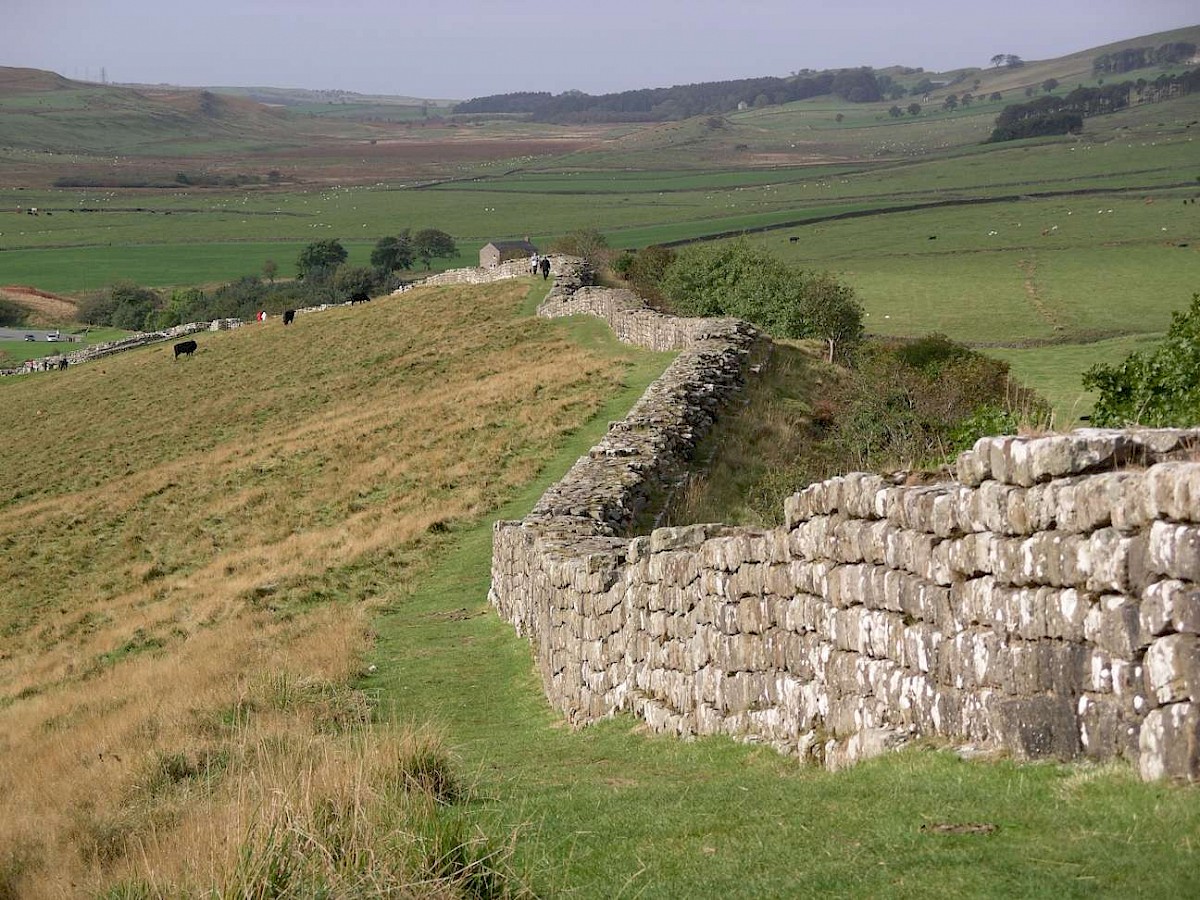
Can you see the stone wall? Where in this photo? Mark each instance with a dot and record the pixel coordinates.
(1044, 603)
(514, 268)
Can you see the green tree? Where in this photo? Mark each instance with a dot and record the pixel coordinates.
(830, 312)
(1158, 388)
(429, 244)
(321, 258)
(587, 243)
(914, 109)
(951, 102)
(394, 252)
(738, 280)
(354, 280)
(646, 268)
(125, 305)
(1049, 85)
(895, 112)
(856, 85)
(270, 270)
(11, 314)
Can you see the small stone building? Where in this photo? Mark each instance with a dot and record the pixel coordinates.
(496, 252)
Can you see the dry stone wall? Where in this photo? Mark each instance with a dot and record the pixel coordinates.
(1044, 603)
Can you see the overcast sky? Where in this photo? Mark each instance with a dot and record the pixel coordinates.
(465, 48)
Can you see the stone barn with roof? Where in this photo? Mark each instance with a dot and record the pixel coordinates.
(496, 252)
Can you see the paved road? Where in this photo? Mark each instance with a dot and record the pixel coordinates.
(18, 334)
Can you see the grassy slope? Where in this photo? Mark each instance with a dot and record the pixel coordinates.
(176, 537)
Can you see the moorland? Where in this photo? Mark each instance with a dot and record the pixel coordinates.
(260, 649)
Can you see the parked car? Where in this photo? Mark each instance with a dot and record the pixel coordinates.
(52, 336)
(29, 337)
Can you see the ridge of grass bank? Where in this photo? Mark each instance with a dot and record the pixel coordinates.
(614, 811)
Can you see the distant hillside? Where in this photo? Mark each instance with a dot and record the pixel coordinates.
(20, 81)
(855, 85)
(302, 97)
(48, 113)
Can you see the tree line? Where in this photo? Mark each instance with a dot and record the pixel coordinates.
(1063, 115)
(322, 276)
(861, 85)
(1121, 61)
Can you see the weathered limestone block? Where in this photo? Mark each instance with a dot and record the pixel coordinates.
(986, 508)
(1169, 743)
(1105, 560)
(1172, 667)
(1105, 731)
(1118, 499)
(972, 467)
(1173, 491)
(740, 691)
(1170, 606)
(859, 491)
(921, 645)
(1037, 727)
(971, 554)
(933, 509)
(1175, 550)
(1121, 633)
(679, 568)
(748, 580)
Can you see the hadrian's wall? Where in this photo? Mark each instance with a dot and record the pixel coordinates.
(1044, 603)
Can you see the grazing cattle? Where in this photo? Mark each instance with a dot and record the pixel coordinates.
(185, 348)
(289, 316)
(793, 239)
(360, 297)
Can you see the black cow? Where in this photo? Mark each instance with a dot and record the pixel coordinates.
(185, 348)
(360, 297)
(289, 316)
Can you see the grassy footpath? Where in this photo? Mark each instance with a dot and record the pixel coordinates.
(612, 811)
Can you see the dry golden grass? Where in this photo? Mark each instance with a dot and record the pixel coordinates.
(45, 307)
(182, 541)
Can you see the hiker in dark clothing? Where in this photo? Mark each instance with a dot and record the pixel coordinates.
(545, 267)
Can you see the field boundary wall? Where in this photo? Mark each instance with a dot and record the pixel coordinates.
(1043, 603)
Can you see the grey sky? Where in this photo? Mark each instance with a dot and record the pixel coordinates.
(466, 48)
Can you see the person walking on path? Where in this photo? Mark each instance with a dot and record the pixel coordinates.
(533, 264)
(545, 267)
